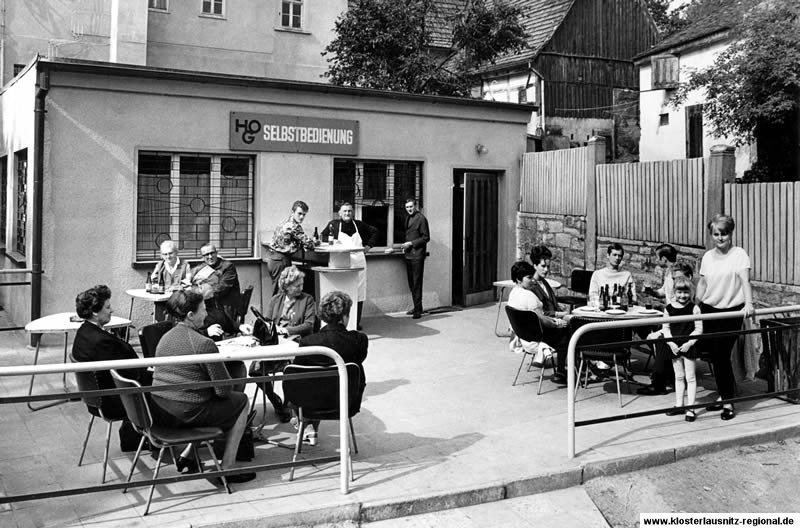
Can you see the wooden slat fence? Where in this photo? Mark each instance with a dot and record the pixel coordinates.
(657, 201)
(767, 223)
(554, 182)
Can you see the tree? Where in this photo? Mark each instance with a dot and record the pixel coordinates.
(752, 90)
(392, 44)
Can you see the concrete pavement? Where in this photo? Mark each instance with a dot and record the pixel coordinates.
(440, 427)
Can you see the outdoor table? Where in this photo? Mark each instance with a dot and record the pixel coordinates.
(55, 324)
(339, 275)
(246, 343)
(141, 293)
(504, 285)
(633, 312)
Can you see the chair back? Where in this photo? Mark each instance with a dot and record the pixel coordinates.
(150, 335)
(525, 324)
(87, 382)
(244, 304)
(320, 396)
(135, 404)
(579, 280)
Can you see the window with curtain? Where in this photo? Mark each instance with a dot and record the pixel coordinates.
(194, 199)
(378, 190)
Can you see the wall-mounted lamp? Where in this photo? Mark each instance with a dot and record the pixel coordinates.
(481, 149)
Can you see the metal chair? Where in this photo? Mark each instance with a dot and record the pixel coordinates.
(578, 282)
(138, 411)
(526, 326)
(600, 337)
(317, 398)
(150, 335)
(88, 382)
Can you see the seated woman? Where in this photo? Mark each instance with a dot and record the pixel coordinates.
(351, 345)
(219, 406)
(554, 329)
(94, 343)
(295, 314)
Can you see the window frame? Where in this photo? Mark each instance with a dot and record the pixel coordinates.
(219, 198)
(211, 4)
(20, 219)
(393, 197)
(152, 7)
(292, 4)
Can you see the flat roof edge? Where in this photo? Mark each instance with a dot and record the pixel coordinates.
(150, 72)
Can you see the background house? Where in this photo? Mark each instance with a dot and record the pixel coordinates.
(676, 132)
(579, 55)
(270, 38)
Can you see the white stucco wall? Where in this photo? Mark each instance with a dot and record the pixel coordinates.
(669, 142)
(96, 125)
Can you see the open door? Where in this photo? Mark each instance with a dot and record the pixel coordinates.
(474, 237)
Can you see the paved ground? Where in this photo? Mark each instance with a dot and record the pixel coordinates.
(441, 426)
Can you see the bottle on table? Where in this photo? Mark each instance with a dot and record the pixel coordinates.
(629, 294)
(604, 297)
(148, 284)
(330, 234)
(316, 236)
(156, 286)
(623, 299)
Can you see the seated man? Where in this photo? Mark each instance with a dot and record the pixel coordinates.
(611, 274)
(667, 256)
(221, 276)
(169, 272)
(94, 343)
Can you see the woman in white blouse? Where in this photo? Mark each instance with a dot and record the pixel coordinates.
(724, 286)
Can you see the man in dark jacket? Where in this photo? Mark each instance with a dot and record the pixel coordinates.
(416, 249)
(221, 275)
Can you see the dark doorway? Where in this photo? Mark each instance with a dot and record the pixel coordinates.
(475, 212)
(694, 131)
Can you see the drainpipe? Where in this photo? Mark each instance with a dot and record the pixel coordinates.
(42, 87)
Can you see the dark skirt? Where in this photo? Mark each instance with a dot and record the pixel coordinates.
(218, 412)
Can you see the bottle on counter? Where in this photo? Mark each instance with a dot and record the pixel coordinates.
(316, 236)
(148, 284)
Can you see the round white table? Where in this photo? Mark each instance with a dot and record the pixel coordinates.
(141, 293)
(56, 324)
(502, 286)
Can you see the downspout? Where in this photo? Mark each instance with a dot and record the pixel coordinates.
(39, 111)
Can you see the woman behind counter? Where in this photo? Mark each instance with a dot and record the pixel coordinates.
(724, 286)
(219, 406)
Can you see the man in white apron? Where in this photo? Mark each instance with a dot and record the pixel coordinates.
(352, 232)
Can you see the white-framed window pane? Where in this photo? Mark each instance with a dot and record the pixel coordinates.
(212, 7)
(292, 14)
(194, 199)
(378, 190)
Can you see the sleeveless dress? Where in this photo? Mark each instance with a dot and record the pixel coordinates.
(681, 331)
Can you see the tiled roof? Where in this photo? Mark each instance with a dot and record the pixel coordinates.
(540, 18)
(728, 14)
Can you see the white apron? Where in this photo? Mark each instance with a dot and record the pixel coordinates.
(357, 259)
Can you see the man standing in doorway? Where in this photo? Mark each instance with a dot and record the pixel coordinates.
(416, 249)
(352, 232)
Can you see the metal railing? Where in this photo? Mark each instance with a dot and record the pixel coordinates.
(276, 353)
(651, 321)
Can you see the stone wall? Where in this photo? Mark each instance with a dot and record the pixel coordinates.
(564, 235)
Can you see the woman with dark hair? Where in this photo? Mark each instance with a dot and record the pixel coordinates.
(219, 406)
(351, 345)
(724, 286)
(94, 343)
